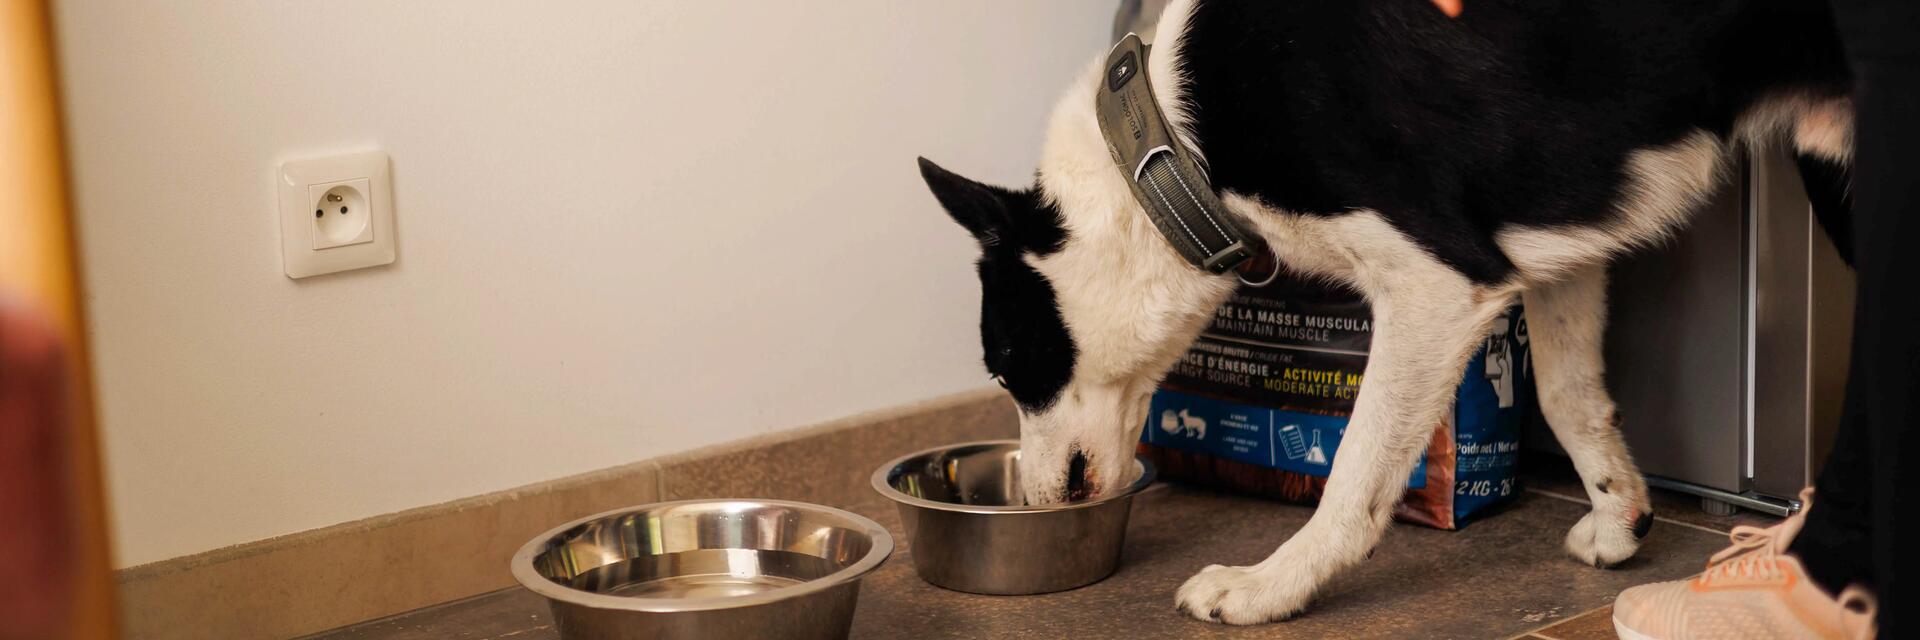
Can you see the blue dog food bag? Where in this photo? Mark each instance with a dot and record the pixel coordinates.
(1260, 402)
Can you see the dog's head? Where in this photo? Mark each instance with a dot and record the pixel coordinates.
(1084, 309)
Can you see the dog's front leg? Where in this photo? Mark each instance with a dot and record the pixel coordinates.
(1427, 321)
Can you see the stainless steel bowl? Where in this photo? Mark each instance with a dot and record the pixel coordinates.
(705, 569)
(971, 529)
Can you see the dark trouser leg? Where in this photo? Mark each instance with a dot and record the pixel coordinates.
(1834, 545)
(1884, 384)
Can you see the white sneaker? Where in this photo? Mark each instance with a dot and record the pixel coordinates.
(1752, 590)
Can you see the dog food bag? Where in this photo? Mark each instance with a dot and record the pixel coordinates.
(1259, 404)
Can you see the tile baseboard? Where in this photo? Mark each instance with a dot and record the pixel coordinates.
(385, 565)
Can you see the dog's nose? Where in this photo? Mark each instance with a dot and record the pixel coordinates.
(1079, 486)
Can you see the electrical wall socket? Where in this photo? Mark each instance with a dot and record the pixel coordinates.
(341, 213)
(336, 214)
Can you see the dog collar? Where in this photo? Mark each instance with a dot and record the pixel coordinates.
(1165, 179)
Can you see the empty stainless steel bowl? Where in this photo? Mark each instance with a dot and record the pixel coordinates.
(971, 529)
(705, 569)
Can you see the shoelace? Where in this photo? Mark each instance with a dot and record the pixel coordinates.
(1752, 567)
(1754, 550)
(1746, 539)
(1751, 557)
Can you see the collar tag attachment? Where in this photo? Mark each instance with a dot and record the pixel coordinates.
(1164, 178)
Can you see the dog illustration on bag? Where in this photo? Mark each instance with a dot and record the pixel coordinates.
(1508, 338)
(1181, 423)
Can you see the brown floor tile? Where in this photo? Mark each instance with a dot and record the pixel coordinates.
(515, 613)
(1554, 474)
(1596, 625)
(1500, 577)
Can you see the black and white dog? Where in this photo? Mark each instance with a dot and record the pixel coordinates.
(1441, 167)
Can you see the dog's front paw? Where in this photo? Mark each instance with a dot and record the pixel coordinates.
(1241, 595)
(1606, 540)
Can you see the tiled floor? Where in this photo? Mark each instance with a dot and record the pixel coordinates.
(1502, 577)
(1593, 625)
(1554, 475)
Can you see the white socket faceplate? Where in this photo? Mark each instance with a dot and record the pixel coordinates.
(316, 235)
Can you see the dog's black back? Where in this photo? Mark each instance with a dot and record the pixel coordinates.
(1520, 112)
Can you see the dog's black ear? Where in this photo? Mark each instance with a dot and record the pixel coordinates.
(981, 208)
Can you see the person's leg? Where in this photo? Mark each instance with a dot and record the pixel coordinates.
(1848, 537)
(1885, 57)
(1834, 543)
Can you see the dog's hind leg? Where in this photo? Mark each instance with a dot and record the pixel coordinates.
(1428, 319)
(1566, 320)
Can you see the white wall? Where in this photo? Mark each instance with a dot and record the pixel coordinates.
(625, 229)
